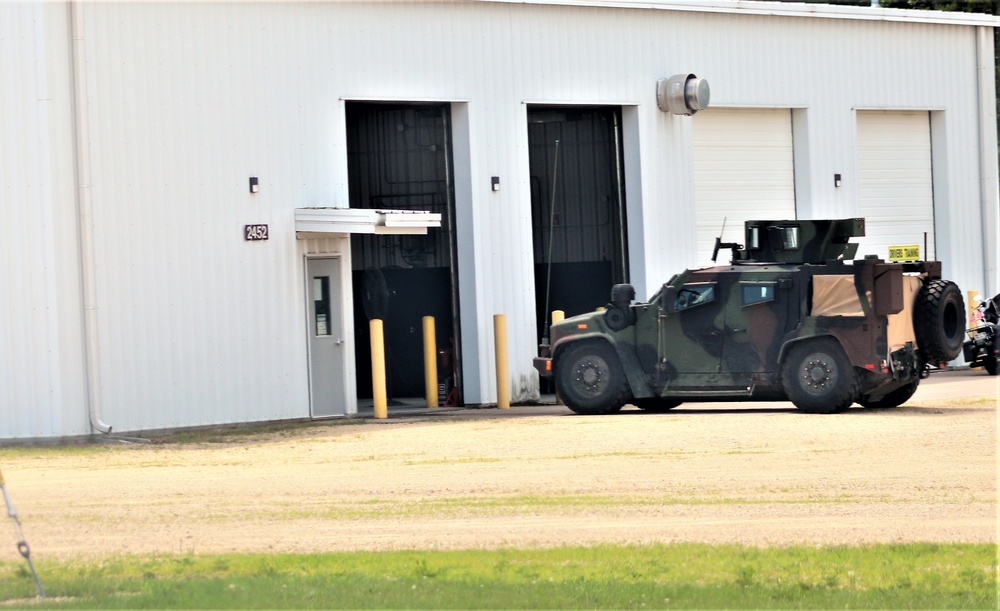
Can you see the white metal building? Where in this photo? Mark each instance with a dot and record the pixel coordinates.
(142, 143)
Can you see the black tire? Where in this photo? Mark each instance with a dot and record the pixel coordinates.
(818, 378)
(589, 378)
(655, 405)
(991, 365)
(894, 399)
(939, 321)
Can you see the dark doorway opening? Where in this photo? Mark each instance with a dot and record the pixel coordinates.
(399, 158)
(577, 207)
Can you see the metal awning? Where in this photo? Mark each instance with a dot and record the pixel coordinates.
(321, 222)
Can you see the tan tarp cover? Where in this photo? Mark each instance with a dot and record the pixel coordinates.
(836, 296)
(900, 327)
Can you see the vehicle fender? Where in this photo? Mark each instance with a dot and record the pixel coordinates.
(854, 345)
(565, 341)
(633, 371)
(788, 345)
(626, 356)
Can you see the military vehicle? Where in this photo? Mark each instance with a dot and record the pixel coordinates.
(982, 349)
(792, 317)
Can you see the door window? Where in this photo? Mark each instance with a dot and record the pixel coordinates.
(321, 303)
(692, 295)
(756, 292)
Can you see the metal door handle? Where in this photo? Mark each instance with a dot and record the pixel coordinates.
(339, 342)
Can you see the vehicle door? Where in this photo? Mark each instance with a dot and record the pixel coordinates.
(690, 342)
(761, 309)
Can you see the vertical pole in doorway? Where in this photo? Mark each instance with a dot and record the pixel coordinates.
(620, 196)
(548, 258)
(430, 363)
(500, 346)
(378, 370)
(456, 324)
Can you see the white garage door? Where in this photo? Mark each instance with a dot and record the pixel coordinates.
(743, 170)
(895, 190)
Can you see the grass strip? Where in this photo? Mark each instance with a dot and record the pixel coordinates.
(690, 576)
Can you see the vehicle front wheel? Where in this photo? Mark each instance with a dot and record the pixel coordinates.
(894, 399)
(589, 378)
(818, 378)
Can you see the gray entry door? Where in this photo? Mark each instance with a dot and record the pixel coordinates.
(327, 384)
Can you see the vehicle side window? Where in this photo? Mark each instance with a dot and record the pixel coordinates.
(691, 295)
(756, 292)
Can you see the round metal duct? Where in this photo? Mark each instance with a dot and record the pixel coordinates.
(682, 94)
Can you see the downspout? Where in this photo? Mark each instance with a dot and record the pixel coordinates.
(85, 218)
(989, 194)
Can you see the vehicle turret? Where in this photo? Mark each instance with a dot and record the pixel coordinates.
(796, 241)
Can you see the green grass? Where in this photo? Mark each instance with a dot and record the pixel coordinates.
(551, 504)
(690, 576)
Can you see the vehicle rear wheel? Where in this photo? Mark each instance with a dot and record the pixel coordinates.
(894, 399)
(818, 378)
(589, 378)
(991, 365)
(655, 405)
(939, 320)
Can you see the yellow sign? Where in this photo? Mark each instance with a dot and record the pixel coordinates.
(910, 252)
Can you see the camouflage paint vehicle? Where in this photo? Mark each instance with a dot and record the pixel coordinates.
(791, 318)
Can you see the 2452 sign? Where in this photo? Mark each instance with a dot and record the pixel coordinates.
(253, 233)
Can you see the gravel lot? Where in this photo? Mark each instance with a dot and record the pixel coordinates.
(752, 473)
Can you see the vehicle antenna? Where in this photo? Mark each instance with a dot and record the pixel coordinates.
(718, 240)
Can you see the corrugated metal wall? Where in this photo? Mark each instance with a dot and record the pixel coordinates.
(42, 382)
(188, 100)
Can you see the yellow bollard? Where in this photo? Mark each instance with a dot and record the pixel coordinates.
(500, 345)
(430, 363)
(378, 370)
(558, 316)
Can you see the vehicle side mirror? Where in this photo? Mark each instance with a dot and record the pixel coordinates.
(668, 300)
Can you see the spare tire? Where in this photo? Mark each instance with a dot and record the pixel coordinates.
(939, 320)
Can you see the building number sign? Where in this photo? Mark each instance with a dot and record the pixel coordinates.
(254, 232)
